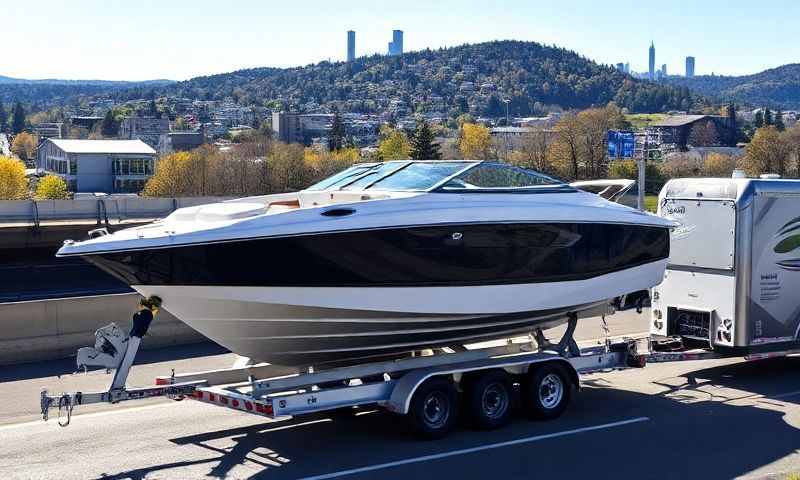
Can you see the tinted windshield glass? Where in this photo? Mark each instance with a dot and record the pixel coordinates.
(498, 176)
(342, 177)
(376, 173)
(419, 176)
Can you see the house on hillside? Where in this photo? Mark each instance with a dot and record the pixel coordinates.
(107, 166)
(695, 130)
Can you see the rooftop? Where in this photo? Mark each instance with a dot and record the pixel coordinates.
(103, 146)
(677, 120)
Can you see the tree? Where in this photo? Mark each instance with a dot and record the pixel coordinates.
(758, 121)
(718, 165)
(768, 117)
(703, 134)
(51, 187)
(13, 183)
(153, 108)
(337, 133)
(767, 152)
(109, 126)
(18, 119)
(779, 125)
(532, 151)
(422, 145)
(565, 149)
(394, 145)
(475, 141)
(732, 126)
(24, 146)
(3, 117)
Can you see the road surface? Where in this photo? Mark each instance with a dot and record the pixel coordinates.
(706, 419)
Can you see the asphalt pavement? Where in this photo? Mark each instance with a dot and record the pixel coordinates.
(703, 419)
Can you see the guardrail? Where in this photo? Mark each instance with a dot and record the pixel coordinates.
(102, 210)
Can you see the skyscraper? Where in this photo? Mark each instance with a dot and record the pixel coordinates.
(351, 45)
(664, 70)
(689, 67)
(652, 70)
(396, 45)
(621, 67)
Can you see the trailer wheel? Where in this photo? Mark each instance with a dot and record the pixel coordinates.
(434, 408)
(488, 399)
(547, 391)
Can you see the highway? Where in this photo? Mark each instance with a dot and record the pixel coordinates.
(705, 419)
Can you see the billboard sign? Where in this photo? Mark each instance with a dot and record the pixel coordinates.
(620, 144)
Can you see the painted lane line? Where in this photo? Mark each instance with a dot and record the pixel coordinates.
(437, 456)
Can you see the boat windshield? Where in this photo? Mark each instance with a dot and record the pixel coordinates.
(420, 176)
(500, 177)
(342, 178)
(376, 173)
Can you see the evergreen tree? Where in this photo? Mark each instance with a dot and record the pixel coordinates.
(153, 108)
(422, 145)
(18, 120)
(109, 127)
(767, 117)
(759, 120)
(336, 136)
(3, 117)
(733, 128)
(779, 120)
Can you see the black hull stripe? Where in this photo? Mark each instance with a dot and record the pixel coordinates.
(422, 257)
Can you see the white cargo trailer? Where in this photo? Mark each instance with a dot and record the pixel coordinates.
(733, 279)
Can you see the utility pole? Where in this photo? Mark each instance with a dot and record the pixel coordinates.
(507, 101)
(640, 183)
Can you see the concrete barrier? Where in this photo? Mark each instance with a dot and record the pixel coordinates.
(49, 329)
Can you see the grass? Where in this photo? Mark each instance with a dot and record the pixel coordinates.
(651, 203)
(642, 120)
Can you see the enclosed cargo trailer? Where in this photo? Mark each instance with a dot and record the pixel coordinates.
(733, 278)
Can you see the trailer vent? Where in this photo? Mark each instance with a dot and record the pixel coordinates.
(689, 323)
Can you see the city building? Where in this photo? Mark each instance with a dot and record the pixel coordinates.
(689, 67)
(664, 71)
(396, 45)
(184, 140)
(107, 166)
(627, 67)
(286, 127)
(152, 131)
(677, 130)
(652, 62)
(49, 130)
(351, 45)
(621, 67)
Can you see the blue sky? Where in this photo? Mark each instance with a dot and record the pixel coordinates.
(179, 39)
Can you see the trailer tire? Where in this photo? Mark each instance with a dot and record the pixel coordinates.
(433, 409)
(547, 391)
(488, 399)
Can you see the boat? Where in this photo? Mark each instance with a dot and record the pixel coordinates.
(387, 258)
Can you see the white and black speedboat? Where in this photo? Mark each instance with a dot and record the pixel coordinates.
(387, 258)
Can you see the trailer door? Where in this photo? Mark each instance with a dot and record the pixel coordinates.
(705, 237)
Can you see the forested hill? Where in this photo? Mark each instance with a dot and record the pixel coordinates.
(776, 87)
(450, 80)
(50, 92)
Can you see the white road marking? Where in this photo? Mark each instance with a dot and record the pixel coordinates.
(465, 451)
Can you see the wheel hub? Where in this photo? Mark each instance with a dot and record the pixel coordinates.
(551, 391)
(495, 400)
(436, 409)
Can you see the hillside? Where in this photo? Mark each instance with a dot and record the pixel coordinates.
(50, 92)
(776, 87)
(471, 78)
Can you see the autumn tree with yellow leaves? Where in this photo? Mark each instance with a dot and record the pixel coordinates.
(475, 142)
(13, 183)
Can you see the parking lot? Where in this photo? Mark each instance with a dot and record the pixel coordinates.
(703, 419)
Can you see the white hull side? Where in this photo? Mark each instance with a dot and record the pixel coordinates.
(309, 325)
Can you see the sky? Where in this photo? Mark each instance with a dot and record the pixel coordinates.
(180, 39)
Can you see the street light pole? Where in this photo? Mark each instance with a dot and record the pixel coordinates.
(507, 101)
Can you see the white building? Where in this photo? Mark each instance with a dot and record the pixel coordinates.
(108, 166)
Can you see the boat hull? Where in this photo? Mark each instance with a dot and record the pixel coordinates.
(304, 326)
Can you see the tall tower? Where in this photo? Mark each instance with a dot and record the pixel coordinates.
(689, 67)
(652, 70)
(351, 45)
(396, 45)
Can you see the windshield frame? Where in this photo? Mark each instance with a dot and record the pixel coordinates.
(560, 187)
(468, 164)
